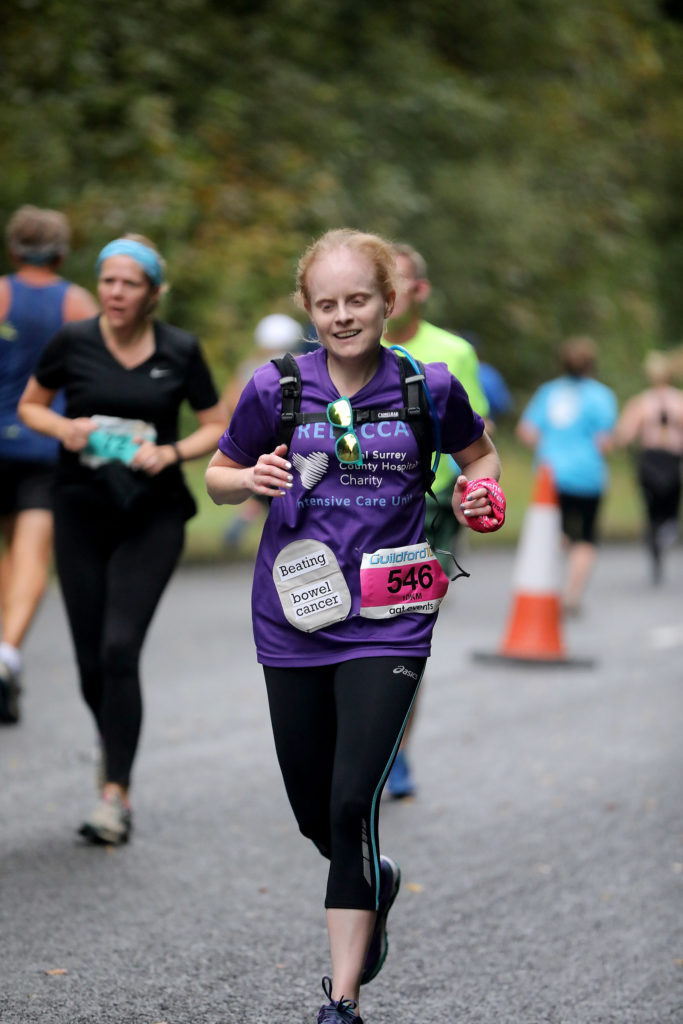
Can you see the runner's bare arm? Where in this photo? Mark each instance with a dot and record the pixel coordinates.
(630, 422)
(4, 298)
(527, 433)
(79, 304)
(34, 410)
(229, 483)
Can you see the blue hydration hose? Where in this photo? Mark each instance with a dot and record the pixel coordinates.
(436, 426)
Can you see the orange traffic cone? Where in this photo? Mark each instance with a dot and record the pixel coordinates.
(534, 629)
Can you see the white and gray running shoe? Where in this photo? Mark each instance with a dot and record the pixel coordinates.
(109, 824)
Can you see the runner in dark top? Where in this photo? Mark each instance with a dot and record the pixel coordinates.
(652, 422)
(121, 500)
(346, 588)
(34, 303)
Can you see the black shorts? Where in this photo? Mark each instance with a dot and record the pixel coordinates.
(579, 515)
(25, 485)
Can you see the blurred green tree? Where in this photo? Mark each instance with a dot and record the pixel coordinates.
(531, 150)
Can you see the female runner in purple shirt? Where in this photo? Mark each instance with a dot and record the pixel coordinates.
(346, 588)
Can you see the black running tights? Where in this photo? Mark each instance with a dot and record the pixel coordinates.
(337, 729)
(113, 568)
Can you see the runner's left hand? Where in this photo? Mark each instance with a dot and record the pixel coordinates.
(479, 504)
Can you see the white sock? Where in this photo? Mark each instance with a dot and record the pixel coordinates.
(11, 657)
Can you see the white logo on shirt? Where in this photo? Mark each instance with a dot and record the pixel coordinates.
(312, 468)
(159, 371)
(564, 408)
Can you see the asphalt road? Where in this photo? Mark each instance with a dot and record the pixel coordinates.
(542, 859)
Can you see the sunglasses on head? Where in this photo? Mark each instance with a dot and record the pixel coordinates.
(347, 447)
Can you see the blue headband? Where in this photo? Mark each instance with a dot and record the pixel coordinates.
(142, 254)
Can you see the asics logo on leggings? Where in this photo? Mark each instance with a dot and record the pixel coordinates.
(401, 670)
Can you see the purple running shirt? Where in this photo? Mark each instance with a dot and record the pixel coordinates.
(346, 511)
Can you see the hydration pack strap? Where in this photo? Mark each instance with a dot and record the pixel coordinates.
(414, 411)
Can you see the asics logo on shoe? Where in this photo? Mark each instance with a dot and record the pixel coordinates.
(311, 468)
(401, 670)
(159, 371)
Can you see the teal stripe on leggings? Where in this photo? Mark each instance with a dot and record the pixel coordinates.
(373, 837)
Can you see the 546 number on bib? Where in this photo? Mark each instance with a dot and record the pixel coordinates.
(412, 577)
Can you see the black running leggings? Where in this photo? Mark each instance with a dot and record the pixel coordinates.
(659, 475)
(337, 729)
(113, 568)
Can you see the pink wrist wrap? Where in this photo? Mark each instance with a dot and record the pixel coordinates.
(487, 524)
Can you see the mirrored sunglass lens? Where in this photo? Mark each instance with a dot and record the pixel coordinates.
(348, 449)
(339, 414)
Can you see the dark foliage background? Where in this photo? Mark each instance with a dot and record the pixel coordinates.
(531, 149)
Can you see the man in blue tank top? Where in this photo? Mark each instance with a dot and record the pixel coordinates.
(34, 303)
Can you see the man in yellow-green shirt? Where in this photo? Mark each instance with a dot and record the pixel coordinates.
(429, 344)
(432, 344)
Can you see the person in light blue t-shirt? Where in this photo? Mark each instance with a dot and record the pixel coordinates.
(569, 422)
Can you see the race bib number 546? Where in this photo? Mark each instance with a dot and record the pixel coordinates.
(394, 581)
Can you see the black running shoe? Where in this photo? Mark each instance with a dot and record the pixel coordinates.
(9, 694)
(337, 1011)
(390, 881)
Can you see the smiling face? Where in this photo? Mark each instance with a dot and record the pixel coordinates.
(346, 304)
(126, 294)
